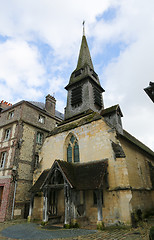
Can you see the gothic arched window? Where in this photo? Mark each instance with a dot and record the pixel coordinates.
(69, 153)
(73, 150)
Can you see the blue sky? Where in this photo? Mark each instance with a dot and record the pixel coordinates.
(39, 47)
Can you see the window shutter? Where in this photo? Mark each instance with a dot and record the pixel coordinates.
(69, 153)
(76, 152)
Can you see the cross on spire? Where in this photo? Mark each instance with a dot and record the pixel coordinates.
(83, 27)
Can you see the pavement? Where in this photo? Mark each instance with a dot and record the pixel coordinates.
(21, 230)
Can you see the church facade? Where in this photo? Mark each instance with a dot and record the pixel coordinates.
(91, 169)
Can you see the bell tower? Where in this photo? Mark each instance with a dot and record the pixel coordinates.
(84, 89)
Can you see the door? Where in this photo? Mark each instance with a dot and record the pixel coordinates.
(53, 203)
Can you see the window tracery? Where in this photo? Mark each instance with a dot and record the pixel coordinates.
(73, 150)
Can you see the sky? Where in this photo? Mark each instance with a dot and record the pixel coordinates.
(39, 48)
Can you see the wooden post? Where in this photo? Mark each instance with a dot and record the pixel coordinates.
(45, 206)
(73, 208)
(99, 205)
(99, 209)
(67, 204)
(31, 207)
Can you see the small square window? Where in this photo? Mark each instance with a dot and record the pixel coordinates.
(2, 160)
(7, 134)
(11, 115)
(39, 138)
(41, 119)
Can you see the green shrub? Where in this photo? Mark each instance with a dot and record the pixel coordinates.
(151, 234)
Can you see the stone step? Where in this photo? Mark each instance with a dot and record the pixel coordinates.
(54, 219)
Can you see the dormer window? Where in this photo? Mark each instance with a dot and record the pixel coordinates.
(11, 115)
(78, 72)
(94, 74)
(41, 119)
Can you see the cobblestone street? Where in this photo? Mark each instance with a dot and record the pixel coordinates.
(20, 229)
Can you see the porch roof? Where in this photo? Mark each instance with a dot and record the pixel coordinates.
(36, 187)
(80, 176)
(84, 176)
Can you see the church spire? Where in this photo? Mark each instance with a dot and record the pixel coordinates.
(84, 89)
(84, 55)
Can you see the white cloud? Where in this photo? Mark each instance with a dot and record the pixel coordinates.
(20, 69)
(127, 75)
(58, 24)
(56, 84)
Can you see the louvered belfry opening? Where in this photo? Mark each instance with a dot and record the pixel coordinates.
(97, 97)
(76, 97)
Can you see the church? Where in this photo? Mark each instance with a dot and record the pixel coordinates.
(91, 171)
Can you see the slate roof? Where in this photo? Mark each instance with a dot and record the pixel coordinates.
(84, 55)
(85, 68)
(135, 141)
(111, 109)
(75, 122)
(42, 106)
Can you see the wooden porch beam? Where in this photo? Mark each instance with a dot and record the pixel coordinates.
(55, 186)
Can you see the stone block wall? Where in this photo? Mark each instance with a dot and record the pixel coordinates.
(139, 177)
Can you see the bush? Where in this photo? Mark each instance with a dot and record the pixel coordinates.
(151, 234)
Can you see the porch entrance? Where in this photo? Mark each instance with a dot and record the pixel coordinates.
(53, 203)
(56, 205)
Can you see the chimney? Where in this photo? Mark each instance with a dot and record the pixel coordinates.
(4, 105)
(50, 104)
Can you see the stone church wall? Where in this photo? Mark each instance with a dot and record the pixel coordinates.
(94, 141)
(139, 177)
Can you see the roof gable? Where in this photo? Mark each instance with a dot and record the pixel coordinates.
(80, 176)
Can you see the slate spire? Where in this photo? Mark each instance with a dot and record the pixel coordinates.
(84, 89)
(84, 55)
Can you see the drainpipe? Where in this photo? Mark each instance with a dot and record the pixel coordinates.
(14, 195)
(14, 175)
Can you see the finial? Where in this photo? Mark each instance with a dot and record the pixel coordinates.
(83, 27)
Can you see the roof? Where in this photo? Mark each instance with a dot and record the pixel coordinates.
(85, 176)
(75, 122)
(111, 109)
(80, 176)
(36, 104)
(40, 181)
(84, 55)
(84, 70)
(135, 141)
(41, 105)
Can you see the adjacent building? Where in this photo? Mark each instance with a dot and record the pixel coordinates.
(91, 169)
(23, 129)
(150, 91)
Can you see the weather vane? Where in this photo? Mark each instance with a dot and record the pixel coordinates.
(83, 27)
